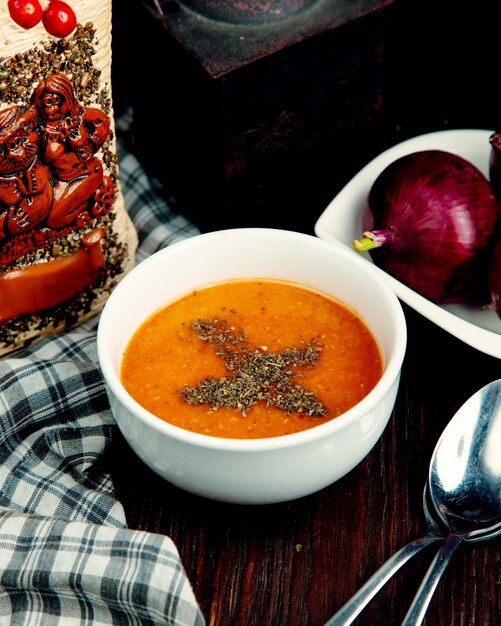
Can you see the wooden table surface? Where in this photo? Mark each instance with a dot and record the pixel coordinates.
(296, 563)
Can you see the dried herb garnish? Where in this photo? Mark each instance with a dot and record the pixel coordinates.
(257, 375)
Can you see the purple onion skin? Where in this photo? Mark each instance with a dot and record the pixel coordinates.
(435, 222)
(495, 279)
(495, 163)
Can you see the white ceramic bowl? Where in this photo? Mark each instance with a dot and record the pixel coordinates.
(256, 471)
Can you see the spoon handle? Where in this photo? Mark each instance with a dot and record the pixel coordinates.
(417, 610)
(364, 595)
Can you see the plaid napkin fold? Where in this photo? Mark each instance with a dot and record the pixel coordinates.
(66, 555)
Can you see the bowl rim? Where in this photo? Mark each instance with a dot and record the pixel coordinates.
(390, 374)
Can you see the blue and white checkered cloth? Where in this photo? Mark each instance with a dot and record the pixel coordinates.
(67, 557)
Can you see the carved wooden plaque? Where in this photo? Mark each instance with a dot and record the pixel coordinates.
(65, 238)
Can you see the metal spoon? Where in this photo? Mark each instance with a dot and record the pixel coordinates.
(465, 484)
(435, 531)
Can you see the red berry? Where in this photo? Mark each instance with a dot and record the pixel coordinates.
(59, 19)
(26, 13)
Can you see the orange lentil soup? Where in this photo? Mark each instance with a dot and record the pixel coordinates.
(251, 358)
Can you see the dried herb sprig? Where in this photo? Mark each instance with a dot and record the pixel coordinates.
(258, 375)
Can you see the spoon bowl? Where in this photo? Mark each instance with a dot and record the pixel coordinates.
(465, 471)
(437, 526)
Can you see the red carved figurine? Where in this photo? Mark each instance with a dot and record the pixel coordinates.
(25, 192)
(71, 134)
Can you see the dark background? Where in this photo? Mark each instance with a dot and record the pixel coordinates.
(271, 142)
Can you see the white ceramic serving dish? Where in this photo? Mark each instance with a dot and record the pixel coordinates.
(342, 220)
(266, 470)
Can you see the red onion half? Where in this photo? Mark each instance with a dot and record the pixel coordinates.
(495, 279)
(435, 220)
(495, 163)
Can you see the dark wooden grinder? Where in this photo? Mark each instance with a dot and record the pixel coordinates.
(251, 112)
